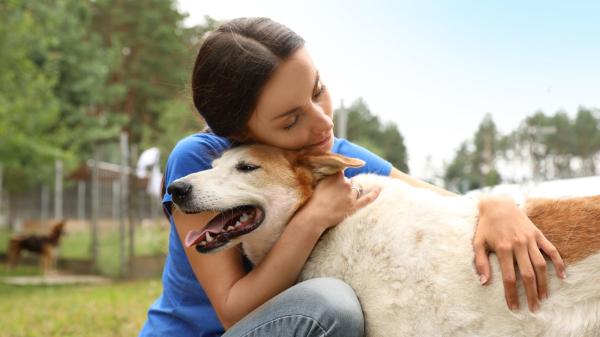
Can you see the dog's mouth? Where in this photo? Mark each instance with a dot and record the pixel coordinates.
(224, 227)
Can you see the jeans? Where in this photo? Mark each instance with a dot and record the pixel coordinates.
(314, 308)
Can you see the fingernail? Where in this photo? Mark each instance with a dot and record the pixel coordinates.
(563, 274)
(535, 307)
(514, 307)
(482, 279)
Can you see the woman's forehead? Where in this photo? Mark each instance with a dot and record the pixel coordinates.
(289, 87)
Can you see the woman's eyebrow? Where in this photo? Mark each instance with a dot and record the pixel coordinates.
(291, 111)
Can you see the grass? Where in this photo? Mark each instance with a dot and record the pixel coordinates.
(117, 309)
(76, 245)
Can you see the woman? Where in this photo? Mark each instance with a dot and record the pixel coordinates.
(253, 81)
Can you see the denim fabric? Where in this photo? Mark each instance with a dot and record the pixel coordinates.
(314, 308)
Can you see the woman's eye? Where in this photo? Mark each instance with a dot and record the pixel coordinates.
(319, 92)
(289, 126)
(245, 167)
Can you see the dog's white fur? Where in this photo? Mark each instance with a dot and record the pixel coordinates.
(408, 256)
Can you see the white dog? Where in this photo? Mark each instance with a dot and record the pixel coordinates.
(408, 255)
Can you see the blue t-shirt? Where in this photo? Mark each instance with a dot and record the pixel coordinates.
(183, 309)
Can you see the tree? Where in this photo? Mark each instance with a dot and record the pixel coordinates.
(52, 70)
(458, 176)
(548, 145)
(153, 64)
(587, 138)
(365, 129)
(473, 166)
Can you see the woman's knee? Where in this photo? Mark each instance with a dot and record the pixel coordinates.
(317, 307)
(333, 303)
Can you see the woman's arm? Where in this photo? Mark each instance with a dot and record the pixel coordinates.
(232, 292)
(397, 174)
(504, 229)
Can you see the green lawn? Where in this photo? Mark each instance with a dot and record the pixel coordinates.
(117, 309)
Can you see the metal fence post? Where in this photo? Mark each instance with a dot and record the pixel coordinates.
(124, 199)
(81, 200)
(95, 209)
(58, 189)
(44, 204)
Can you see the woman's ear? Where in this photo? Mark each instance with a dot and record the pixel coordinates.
(328, 164)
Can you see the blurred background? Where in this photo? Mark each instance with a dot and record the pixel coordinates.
(471, 96)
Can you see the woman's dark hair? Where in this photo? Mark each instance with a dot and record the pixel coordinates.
(233, 65)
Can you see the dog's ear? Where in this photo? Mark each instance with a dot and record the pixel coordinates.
(328, 164)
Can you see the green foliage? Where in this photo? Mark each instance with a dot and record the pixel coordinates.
(154, 60)
(365, 129)
(473, 165)
(78, 73)
(52, 72)
(549, 144)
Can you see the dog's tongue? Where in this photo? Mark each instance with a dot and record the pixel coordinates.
(214, 227)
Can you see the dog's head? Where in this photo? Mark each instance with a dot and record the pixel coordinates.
(57, 228)
(255, 189)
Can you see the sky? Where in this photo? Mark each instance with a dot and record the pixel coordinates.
(435, 68)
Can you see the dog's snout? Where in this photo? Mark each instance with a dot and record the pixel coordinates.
(179, 191)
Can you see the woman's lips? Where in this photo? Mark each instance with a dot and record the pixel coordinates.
(323, 141)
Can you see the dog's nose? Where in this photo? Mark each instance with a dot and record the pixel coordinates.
(179, 191)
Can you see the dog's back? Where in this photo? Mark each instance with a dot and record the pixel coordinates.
(409, 258)
(572, 225)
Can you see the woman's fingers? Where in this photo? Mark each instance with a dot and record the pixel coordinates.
(528, 275)
(548, 248)
(540, 267)
(368, 197)
(505, 255)
(482, 260)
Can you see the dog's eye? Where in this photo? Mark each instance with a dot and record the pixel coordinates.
(245, 167)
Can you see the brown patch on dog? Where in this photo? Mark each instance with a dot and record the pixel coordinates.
(299, 170)
(280, 164)
(327, 164)
(572, 225)
(310, 169)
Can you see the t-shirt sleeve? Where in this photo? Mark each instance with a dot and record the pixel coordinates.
(192, 154)
(373, 163)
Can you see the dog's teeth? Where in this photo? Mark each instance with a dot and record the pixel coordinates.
(238, 224)
(203, 242)
(244, 217)
(230, 228)
(208, 237)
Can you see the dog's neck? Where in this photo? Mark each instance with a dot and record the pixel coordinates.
(285, 204)
(55, 234)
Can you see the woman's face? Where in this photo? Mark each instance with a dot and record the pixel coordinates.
(294, 109)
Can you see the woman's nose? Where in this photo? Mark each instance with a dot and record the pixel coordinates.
(321, 121)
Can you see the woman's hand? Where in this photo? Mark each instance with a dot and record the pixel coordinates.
(335, 198)
(504, 229)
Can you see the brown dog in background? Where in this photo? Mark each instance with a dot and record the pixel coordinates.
(43, 244)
